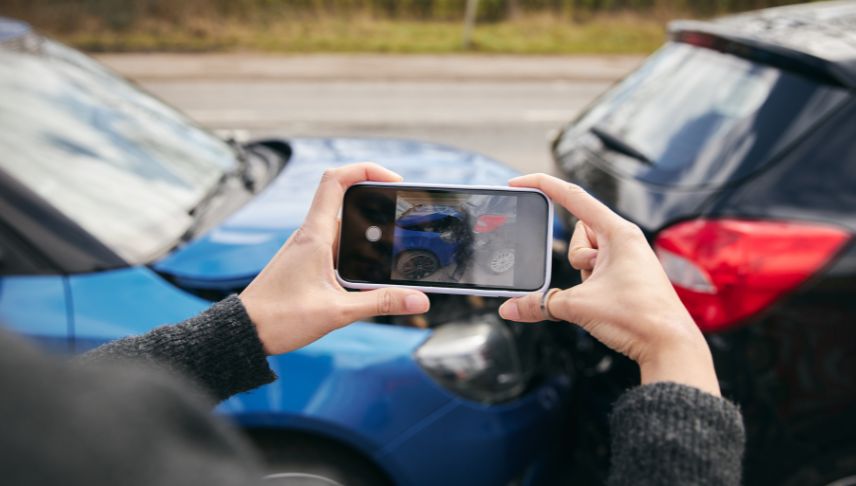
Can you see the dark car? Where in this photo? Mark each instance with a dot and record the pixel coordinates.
(734, 148)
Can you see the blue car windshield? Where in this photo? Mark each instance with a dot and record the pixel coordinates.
(118, 162)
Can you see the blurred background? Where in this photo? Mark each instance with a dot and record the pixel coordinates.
(495, 76)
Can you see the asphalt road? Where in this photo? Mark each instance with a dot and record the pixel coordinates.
(503, 106)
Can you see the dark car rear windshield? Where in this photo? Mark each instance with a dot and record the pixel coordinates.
(692, 116)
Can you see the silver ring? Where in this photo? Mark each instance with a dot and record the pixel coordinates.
(545, 304)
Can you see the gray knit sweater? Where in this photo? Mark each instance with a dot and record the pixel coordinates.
(143, 423)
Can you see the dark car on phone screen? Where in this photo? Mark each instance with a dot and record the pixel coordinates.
(734, 148)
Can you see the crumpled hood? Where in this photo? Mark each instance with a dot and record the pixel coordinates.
(232, 253)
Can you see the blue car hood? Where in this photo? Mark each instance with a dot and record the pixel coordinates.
(427, 215)
(231, 254)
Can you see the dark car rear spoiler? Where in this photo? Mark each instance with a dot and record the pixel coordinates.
(709, 36)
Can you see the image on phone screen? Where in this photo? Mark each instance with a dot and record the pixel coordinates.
(454, 238)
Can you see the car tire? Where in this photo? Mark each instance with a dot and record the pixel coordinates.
(416, 264)
(305, 460)
(501, 260)
(835, 469)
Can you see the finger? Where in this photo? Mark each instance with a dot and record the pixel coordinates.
(573, 198)
(583, 259)
(322, 216)
(581, 239)
(582, 250)
(385, 302)
(419, 321)
(583, 235)
(592, 236)
(523, 309)
(336, 242)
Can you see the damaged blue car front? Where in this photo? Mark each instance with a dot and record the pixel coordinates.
(120, 214)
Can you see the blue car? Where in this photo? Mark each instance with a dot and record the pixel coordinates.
(426, 239)
(119, 214)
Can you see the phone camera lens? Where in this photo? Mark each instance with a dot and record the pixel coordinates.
(373, 233)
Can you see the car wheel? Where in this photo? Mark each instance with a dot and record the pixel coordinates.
(836, 469)
(417, 264)
(304, 460)
(501, 261)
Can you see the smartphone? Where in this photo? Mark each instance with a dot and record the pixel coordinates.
(452, 239)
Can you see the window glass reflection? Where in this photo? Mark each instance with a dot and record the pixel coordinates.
(694, 113)
(120, 163)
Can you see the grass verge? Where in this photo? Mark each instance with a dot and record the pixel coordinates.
(534, 34)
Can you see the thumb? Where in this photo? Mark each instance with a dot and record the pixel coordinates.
(386, 302)
(528, 308)
(523, 309)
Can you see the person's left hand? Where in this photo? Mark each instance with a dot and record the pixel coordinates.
(296, 299)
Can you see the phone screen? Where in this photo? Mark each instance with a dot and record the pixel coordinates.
(491, 239)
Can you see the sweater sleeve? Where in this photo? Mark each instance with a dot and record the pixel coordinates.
(666, 433)
(219, 349)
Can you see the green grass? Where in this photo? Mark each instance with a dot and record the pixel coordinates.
(534, 34)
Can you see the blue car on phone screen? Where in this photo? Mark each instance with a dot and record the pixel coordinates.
(119, 214)
(427, 238)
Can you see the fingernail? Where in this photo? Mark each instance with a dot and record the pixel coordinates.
(416, 303)
(510, 311)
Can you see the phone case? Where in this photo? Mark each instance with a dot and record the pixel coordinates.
(464, 291)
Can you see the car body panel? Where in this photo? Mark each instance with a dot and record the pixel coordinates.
(358, 384)
(406, 240)
(236, 250)
(516, 432)
(125, 302)
(38, 307)
(414, 231)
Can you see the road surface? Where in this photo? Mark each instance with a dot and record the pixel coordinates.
(506, 107)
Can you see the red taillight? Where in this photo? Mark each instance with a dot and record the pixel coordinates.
(727, 270)
(487, 223)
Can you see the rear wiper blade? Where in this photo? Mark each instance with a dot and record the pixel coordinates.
(617, 145)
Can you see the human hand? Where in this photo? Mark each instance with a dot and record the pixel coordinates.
(626, 300)
(296, 299)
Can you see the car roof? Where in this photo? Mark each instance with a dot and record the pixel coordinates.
(11, 29)
(819, 36)
(428, 213)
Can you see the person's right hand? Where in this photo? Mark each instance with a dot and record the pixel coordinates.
(626, 300)
(296, 298)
